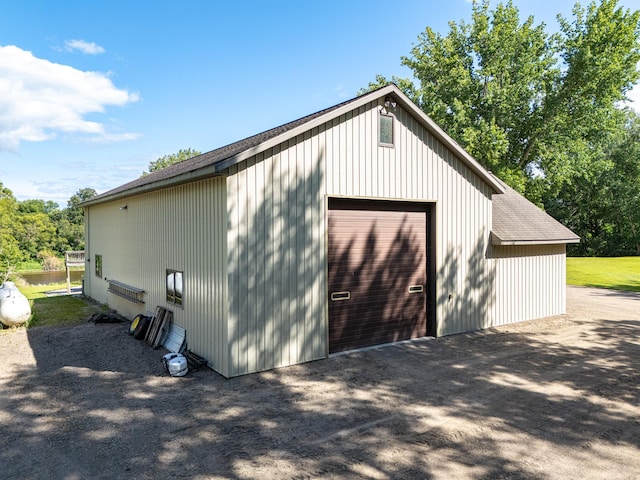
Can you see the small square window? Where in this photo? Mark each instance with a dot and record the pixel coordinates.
(174, 287)
(99, 266)
(385, 129)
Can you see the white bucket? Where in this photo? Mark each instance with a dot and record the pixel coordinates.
(175, 364)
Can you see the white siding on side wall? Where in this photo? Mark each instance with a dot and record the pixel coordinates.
(181, 228)
(530, 282)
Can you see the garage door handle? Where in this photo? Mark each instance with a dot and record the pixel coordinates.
(416, 289)
(335, 296)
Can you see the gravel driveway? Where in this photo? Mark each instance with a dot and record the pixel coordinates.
(554, 398)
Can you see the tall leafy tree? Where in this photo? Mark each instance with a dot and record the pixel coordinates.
(166, 160)
(71, 222)
(38, 229)
(36, 232)
(73, 211)
(10, 253)
(531, 106)
(605, 207)
(625, 189)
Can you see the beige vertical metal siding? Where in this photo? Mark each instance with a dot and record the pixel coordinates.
(530, 282)
(182, 228)
(277, 225)
(275, 266)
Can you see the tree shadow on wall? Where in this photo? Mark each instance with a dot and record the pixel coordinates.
(465, 298)
(276, 283)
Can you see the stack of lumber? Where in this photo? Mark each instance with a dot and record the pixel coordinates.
(158, 327)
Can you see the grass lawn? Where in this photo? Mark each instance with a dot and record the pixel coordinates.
(620, 273)
(57, 310)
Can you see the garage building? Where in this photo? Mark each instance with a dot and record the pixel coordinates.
(359, 225)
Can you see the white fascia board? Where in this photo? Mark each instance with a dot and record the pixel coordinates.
(495, 240)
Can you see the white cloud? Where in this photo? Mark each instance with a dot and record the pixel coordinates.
(88, 48)
(39, 99)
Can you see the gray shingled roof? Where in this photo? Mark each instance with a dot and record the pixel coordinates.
(517, 221)
(210, 159)
(217, 161)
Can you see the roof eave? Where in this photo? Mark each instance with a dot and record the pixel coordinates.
(495, 240)
(192, 176)
(404, 101)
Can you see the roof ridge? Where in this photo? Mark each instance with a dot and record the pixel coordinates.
(222, 153)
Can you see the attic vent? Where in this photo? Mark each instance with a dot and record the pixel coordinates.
(126, 291)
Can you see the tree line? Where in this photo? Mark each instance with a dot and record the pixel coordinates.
(38, 232)
(543, 111)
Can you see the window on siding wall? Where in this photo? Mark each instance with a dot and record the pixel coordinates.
(385, 129)
(174, 287)
(98, 264)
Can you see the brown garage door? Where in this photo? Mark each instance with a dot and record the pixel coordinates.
(377, 272)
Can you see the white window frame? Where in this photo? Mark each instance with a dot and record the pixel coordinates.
(390, 116)
(174, 285)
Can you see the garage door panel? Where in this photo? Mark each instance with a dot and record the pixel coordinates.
(358, 257)
(377, 255)
(355, 334)
(393, 332)
(376, 302)
(369, 279)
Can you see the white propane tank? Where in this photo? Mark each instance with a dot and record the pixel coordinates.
(14, 306)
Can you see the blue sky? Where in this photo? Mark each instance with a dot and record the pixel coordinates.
(92, 91)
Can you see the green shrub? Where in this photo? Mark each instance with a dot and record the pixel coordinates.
(50, 262)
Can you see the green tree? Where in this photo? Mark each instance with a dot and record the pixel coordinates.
(603, 206)
(35, 232)
(534, 108)
(166, 160)
(37, 206)
(74, 212)
(70, 224)
(38, 229)
(625, 189)
(10, 253)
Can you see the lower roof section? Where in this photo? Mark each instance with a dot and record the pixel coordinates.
(517, 221)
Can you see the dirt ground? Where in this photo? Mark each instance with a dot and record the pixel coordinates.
(556, 398)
